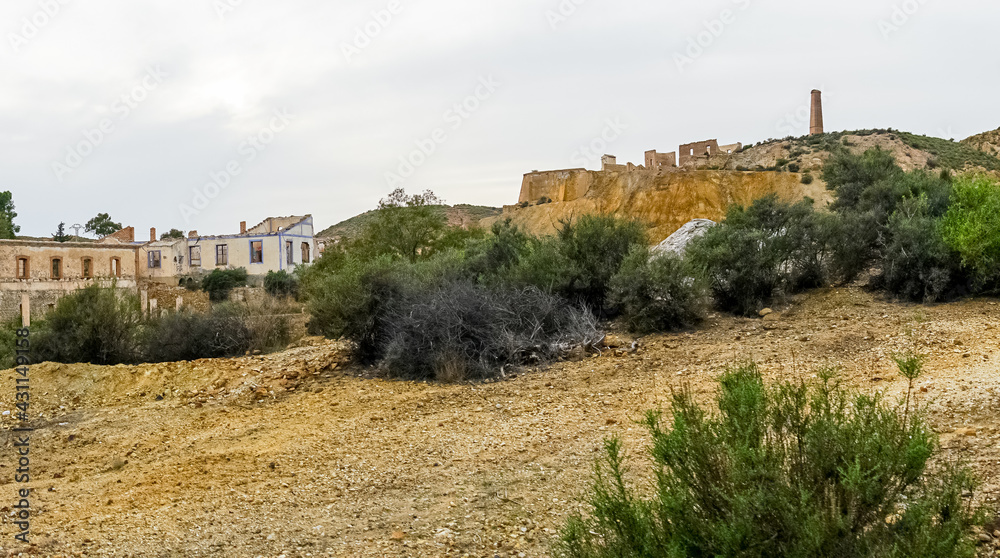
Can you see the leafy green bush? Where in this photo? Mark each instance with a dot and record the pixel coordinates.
(226, 330)
(95, 324)
(658, 293)
(757, 251)
(794, 167)
(104, 325)
(281, 283)
(917, 263)
(807, 178)
(593, 248)
(851, 175)
(971, 227)
(788, 470)
(220, 282)
(492, 258)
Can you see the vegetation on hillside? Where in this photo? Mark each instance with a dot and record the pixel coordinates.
(471, 215)
(943, 153)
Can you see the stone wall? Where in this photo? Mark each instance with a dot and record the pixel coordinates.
(691, 153)
(44, 295)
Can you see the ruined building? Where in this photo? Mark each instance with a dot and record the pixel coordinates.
(37, 273)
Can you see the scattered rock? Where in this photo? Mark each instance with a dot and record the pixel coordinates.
(766, 312)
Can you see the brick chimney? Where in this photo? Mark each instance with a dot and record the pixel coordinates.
(152, 234)
(243, 227)
(816, 113)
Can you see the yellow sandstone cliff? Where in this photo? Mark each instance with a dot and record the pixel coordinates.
(664, 200)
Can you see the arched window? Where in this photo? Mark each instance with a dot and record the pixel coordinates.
(306, 253)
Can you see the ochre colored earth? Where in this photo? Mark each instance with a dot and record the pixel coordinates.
(303, 454)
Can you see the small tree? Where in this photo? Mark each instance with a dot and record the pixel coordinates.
(102, 225)
(404, 226)
(8, 230)
(60, 234)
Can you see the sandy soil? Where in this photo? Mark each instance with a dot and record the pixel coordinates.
(303, 454)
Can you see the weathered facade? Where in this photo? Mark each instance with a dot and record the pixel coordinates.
(276, 244)
(43, 271)
(46, 270)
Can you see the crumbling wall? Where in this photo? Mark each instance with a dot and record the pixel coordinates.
(657, 161)
(691, 153)
(43, 295)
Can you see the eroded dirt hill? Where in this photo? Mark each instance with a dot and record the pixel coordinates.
(303, 454)
(987, 142)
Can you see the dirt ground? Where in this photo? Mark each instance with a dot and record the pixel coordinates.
(303, 454)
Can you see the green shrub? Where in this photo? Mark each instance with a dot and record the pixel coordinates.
(659, 293)
(917, 263)
(794, 167)
(494, 256)
(851, 175)
(281, 283)
(226, 330)
(788, 470)
(781, 162)
(595, 247)
(96, 324)
(220, 282)
(971, 227)
(807, 178)
(757, 251)
(104, 325)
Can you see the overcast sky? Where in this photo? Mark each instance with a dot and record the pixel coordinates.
(198, 114)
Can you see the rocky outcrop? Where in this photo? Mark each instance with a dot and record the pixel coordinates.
(987, 142)
(664, 200)
(677, 243)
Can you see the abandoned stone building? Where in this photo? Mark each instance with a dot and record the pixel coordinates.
(39, 272)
